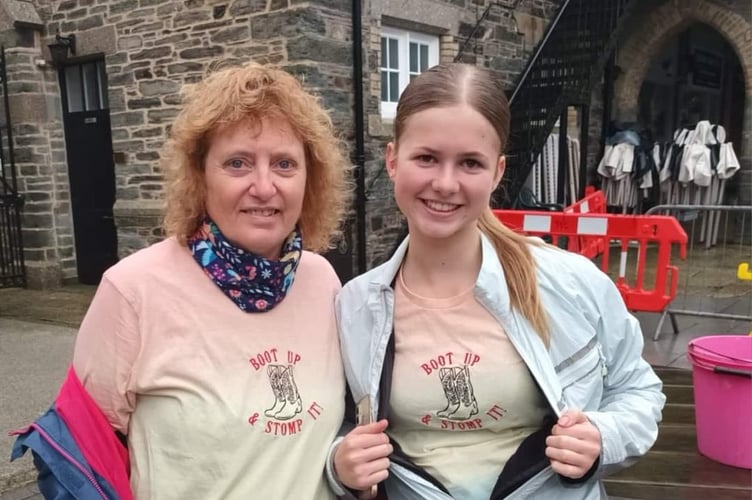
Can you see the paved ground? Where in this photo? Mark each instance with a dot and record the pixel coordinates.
(670, 349)
(33, 360)
(64, 306)
(28, 492)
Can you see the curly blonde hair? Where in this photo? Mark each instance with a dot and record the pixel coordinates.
(250, 92)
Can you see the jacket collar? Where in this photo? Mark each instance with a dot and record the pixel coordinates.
(490, 286)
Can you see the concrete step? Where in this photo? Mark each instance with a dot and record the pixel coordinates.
(674, 376)
(676, 439)
(679, 394)
(645, 491)
(674, 469)
(681, 414)
(680, 476)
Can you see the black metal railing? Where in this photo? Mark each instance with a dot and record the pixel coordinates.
(565, 66)
(12, 270)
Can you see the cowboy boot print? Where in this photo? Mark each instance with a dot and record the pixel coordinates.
(446, 375)
(293, 403)
(274, 379)
(468, 404)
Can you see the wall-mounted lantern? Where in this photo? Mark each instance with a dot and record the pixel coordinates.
(60, 47)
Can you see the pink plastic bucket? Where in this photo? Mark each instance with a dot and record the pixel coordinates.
(722, 376)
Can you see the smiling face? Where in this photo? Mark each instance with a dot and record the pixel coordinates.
(255, 183)
(445, 166)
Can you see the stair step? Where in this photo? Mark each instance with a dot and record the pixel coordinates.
(684, 470)
(676, 438)
(643, 491)
(674, 376)
(679, 414)
(679, 394)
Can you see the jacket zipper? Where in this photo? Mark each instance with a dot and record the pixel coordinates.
(510, 494)
(401, 460)
(70, 459)
(537, 378)
(383, 412)
(524, 355)
(604, 368)
(385, 391)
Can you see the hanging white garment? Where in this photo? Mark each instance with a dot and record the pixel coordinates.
(656, 152)
(680, 139)
(617, 165)
(698, 154)
(728, 163)
(604, 166)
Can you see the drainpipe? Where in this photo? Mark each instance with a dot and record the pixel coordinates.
(360, 155)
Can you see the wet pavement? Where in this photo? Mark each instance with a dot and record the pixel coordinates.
(63, 306)
(33, 360)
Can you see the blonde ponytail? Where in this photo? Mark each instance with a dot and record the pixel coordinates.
(519, 268)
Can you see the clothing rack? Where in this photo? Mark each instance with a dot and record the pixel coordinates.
(695, 169)
(691, 169)
(627, 170)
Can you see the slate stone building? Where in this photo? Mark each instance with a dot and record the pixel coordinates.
(86, 132)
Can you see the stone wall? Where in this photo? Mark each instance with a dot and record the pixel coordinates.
(502, 42)
(153, 47)
(161, 45)
(39, 152)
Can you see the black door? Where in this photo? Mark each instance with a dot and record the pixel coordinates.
(91, 170)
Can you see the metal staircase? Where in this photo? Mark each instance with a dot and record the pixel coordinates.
(567, 63)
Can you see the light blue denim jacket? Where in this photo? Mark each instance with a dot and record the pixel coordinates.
(594, 361)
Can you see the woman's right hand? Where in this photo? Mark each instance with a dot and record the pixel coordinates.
(362, 458)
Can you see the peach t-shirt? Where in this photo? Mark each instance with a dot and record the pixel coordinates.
(462, 399)
(216, 402)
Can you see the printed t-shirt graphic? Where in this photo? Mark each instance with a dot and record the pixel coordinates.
(462, 398)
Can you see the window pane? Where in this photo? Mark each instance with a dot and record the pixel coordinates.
(384, 86)
(91, 87)
(393, 87)
(413, 57)
(103, 99)
(383, 53)
(74, 91)
(423, 58)
(393, 54)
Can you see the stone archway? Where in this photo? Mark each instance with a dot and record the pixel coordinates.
(657, 26)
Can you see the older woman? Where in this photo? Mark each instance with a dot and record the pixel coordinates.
(214, 353)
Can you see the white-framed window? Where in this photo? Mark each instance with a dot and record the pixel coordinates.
(404, 55)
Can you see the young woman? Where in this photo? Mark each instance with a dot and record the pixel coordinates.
(214, 353)
(503, 367)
